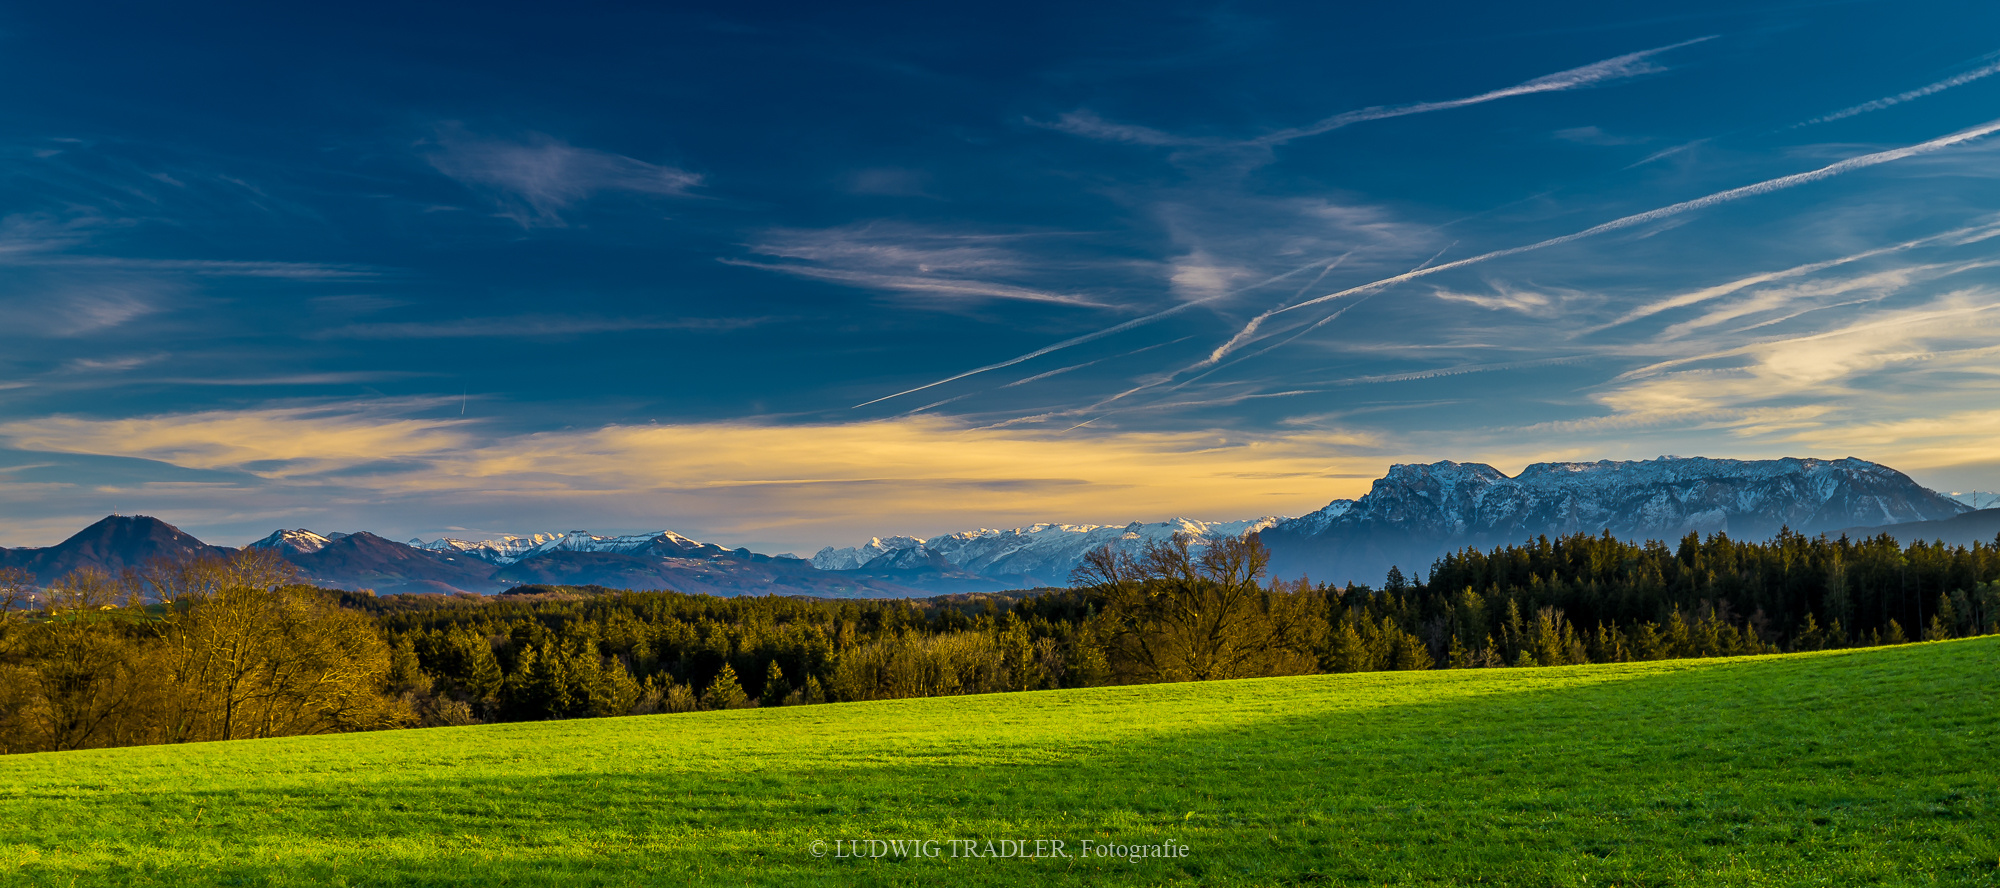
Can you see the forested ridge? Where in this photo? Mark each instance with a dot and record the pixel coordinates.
(229, 648)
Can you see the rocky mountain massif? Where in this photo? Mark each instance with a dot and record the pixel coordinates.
(1417, 512)
(1411, 516)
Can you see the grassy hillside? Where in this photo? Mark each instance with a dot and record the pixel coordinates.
(1874, 766)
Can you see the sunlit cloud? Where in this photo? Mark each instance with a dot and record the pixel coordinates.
(1957, 237)
(281, 442)
(1774, 299)
(804, 482)
(1817, 386)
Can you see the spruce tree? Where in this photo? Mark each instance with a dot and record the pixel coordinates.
(1809, 637)
(776, 689)
(725, 692)
(680, 698)
(1347, 653)
(1456, 656)
(1412, 653)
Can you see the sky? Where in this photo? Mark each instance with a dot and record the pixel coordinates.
(787, 276)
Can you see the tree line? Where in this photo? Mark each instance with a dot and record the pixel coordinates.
(234, 648)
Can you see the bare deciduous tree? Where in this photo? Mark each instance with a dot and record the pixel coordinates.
(1187, 612)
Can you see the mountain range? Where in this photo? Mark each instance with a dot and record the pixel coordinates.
(1411, 515)
(1416, 513)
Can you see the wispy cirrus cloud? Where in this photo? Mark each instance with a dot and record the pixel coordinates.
(1905, 365)
(277, 442)
(951, 267)
(1956, 237)
(536, 178)
(1504, 297)
(525, 327)
(1789, 298)
(70, 310)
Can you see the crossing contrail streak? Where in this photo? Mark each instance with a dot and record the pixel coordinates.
(1721, 197)
(1088, 337)
(1765, 187)
(1918, 93)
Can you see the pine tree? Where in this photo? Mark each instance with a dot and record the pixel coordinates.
(1545, 637)
(725, 692)
(1944, 623)
(1412, 653)
(812, 692)
(1456, 656)
(1347, 653)
(776, 689)
(680, 698)
(406, 674)
(1513, 631)
(1809, 637)
(1895, 634)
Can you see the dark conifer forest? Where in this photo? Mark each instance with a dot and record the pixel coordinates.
(234, 647)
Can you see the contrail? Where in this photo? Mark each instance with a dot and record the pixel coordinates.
(1616, 68)
(1634, 64)
(1088, 337)
(1224, 348)
(1902, 97)
(1962, 236)
(1765, 187)
(1720, 197)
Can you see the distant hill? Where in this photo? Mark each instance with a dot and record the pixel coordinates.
(1962, 530)
(112, 545)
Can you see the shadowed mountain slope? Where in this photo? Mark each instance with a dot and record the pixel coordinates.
(112, 545)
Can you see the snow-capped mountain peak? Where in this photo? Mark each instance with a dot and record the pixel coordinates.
(512, 549)
(854, 557)
(1038, 554)
(300, 541)
(1416, 512)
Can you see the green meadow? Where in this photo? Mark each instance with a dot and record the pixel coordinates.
(1857, 767)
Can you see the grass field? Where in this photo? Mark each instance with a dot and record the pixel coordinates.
(1869, 767)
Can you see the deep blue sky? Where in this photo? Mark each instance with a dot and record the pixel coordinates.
(479, 270)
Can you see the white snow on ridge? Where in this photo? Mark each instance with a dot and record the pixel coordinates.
(505, 550)
(300, 540)
(510, 549)
(1665, 496)
(853, 557)
(1042, 553)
